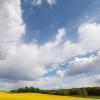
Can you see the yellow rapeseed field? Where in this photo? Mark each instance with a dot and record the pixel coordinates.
(36, 96)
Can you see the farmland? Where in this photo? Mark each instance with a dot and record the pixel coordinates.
(37, 96)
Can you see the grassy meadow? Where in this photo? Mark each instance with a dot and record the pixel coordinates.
(37, 96)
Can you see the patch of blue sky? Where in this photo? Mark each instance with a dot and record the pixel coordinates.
(51, 73)
(44, 20)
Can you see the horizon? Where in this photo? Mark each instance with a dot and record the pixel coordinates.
(49, 44)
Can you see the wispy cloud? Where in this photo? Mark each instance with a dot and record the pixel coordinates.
(40, 2)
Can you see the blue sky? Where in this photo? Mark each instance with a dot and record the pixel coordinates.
(43, 21)
(49, 43)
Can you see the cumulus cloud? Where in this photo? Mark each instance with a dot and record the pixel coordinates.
(87, 65)
(11, 25)
(22, 64)
(32, 59)
(89, 34)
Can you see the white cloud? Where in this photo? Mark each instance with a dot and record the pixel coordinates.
(32, 59)
(51, 2)
(40, 2)
(11, 25)
(36, 2)
(25, 59)
(60, 36)
(89, 34)
(87, 65)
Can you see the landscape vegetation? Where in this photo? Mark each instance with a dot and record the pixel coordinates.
(31, 93)
(82, 92)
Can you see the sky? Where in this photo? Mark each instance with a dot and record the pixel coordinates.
(49, 44)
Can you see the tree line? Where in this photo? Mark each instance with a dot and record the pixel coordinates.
(88, 91)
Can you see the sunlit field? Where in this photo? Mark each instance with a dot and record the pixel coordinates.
(36, 96)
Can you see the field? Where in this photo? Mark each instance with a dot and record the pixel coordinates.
(36, 96)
